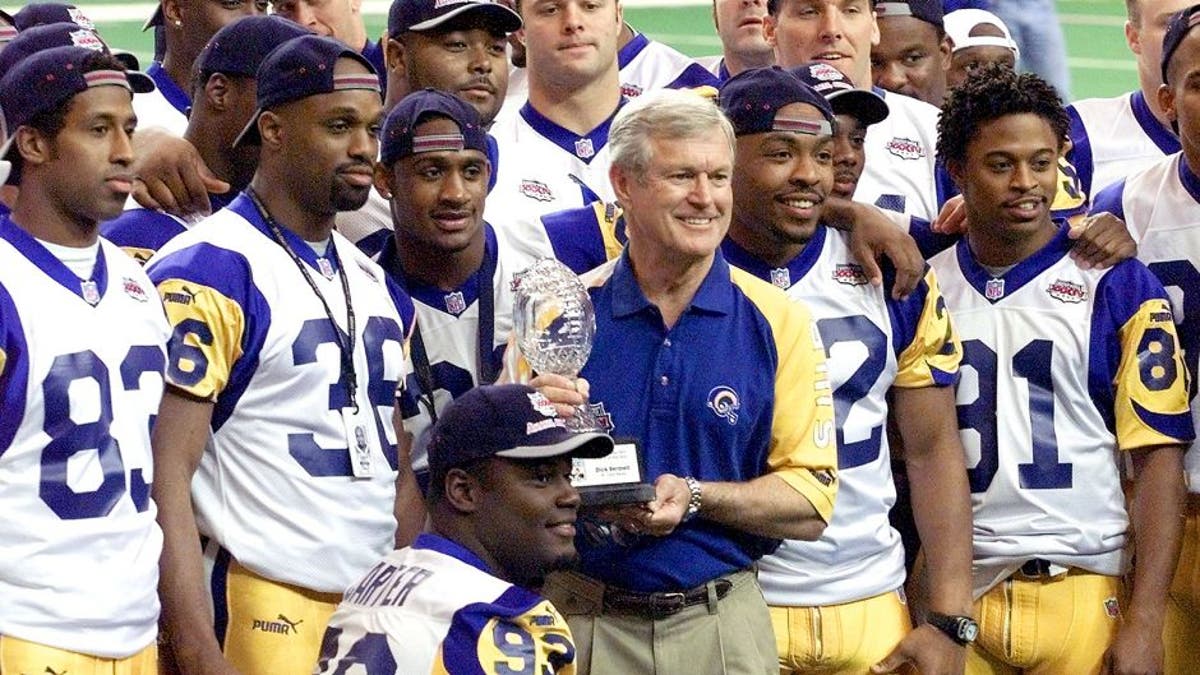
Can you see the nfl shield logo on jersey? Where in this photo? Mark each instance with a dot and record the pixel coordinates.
(584, 148)
(994, 290)
(455, 303)
(782, 278)
(91, 292)
(325, 267)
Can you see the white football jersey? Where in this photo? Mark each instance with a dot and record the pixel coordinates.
(1115, 137)
(1161, 207)
(166, 107)
(644, 64)
(648, 64)
(81, 378)
(289, 474)
(435, 608)
(370, 227)
(900, 173)
(544, 168)
(715, 65)
(1062, 369)
(872, 343)
(448, 322)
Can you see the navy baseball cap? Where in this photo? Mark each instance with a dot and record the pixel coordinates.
(46, 79)
(48, 36)
(929, 11)
(1178, 27)
(303, 67)
(862, 104)
(399, 140)
(752, 99)
(422, 15)
(156, 19)
(239, 48)
(506, 420)
(8, 27)
(41, 13)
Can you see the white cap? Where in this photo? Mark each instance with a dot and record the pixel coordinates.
(960, 23)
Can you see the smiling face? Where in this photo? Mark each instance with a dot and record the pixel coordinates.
(570, 43)
(911, 59)
(437, 197)
(838, 32)
(678, 209)
(780, 181)
(1008, 180)
(526, 517)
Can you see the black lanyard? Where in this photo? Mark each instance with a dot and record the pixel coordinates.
(484, 367)
(346, 347)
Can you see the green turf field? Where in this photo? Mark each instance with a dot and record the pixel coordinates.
(1101, 65)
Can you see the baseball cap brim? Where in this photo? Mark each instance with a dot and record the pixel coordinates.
(249, 134)
(4, 150)
(156, 19)
(865, 106)
(140, 82)
(493, 14)
(586, 444)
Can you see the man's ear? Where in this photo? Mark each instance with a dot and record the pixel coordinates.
(768, 30)
(1166, 101)
(216, 91)
(383, 180)
(33, 145)
(462, 490)
(395, 58)
(955, 169)
(270, 129)
(1133, 38)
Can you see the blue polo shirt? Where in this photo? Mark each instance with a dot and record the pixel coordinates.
(734, 390)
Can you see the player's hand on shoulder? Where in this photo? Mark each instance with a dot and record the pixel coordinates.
(952, 219)
(172, 176)
(1137, 650)
(928, 650)
(564, 392)
(875, 236)
(1101, 241)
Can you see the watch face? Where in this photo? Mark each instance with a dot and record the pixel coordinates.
(968, 631)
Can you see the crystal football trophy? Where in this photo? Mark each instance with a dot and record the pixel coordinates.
(554, 324)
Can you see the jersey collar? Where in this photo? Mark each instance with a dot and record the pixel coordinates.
(435, 542)
(435, 297)
(244, 207)
(795, 269)
(1024, 272)
(715, 294)
(44, 260)
(630, 51)
(177, 97)
(1188, 177)
(585, 148)
(1162, 137)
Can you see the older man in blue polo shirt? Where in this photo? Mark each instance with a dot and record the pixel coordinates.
(721, 380)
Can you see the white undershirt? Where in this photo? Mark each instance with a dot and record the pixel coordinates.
(320, 247)
(81, 261)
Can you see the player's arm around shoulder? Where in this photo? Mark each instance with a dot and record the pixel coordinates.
(794, 497)
(1153, 424)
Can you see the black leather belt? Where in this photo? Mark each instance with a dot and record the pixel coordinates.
(1036, 568)
(660, 605)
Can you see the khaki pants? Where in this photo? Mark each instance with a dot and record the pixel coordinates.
(731, 636)
(21, 657)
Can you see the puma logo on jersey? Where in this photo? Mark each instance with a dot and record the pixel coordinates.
(282, 626)
(1067, 291)
(184, 296)
(905, 148)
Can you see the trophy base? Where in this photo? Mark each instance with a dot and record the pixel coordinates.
(616, 495)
